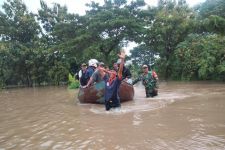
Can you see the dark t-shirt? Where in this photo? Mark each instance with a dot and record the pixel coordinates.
(83, 79)
(86, 75)
(112, 91)
(126, 73)
(89, 72)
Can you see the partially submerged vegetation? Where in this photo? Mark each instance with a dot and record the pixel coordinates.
(73, 83)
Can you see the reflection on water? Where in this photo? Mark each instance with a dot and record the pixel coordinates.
(183, 116)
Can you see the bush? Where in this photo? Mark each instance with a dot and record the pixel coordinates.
(73, 84)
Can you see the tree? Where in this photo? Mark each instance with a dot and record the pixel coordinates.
(142, 55)
(60, 28)
(211, 7)
(18, 24)
(169, 27)
(200, 57)
(108, 26)
(20, 31)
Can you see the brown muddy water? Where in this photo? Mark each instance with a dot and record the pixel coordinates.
(185, 116)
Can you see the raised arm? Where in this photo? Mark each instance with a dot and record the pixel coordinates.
(122, 57)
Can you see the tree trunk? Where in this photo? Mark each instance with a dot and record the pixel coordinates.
(167, 64)
(29, 81)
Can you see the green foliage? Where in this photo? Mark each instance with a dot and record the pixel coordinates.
(212, 7)
(71, 79)
(18, 24)
(200, 57)
(215, 24)
(46, 47)
(143, 55)
(73, 84)
(108, 26)
(135, 71)
(169, 26)
(210, 17)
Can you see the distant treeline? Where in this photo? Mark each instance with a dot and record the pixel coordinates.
(181, 43)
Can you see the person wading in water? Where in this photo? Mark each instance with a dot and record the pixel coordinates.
(149, 80)
(112, 83)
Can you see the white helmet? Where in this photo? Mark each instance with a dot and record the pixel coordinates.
(93, 62)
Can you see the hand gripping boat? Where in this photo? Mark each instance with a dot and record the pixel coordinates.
(95, 93)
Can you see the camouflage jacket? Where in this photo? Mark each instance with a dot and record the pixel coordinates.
(147, 80)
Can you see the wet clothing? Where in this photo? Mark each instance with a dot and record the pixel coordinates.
(150, 82)
(96, 76)
(111, 94)
(83, 79)
(85, 76)
(126, 73)
(90, 71)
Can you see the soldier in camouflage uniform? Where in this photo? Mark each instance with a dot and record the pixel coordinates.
(149, 80)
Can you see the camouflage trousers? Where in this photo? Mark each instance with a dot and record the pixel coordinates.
(151, 92)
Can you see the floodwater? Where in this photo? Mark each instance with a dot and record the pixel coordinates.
(185, 116)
